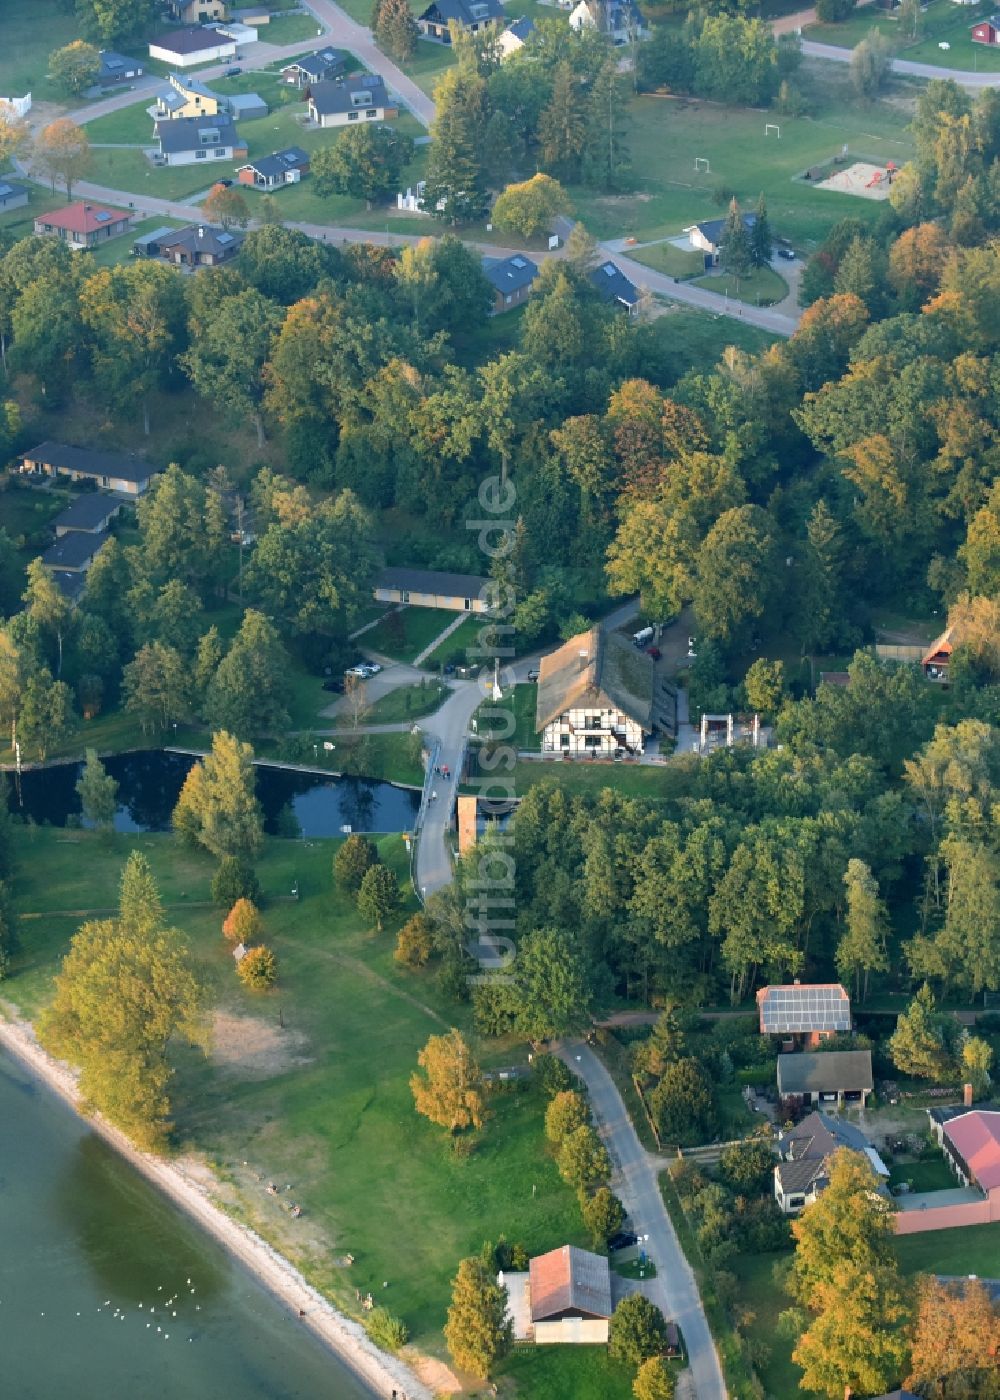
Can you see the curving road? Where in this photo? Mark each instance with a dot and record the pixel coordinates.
(636, 1181)
(906, 67)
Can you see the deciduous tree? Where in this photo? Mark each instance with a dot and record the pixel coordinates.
(654, 1380)
(378, 895)
(566, 1112)
(62, 153)
(217, 807)
(243, 922)
(394, 28)
(478, 1330)
(258, 968)
(448, 1088)
(156, 687)
(226, 205)
(365, 162)
(583, 1159)
(75, 67)
(530, 207)
(603, 1215)
(98, 793)
(229, 349)
(250, 692)
(638, 1330)
(862, 947)
(352, 862)
(955, 1341)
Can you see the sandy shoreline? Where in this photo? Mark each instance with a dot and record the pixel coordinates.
(383, 1374)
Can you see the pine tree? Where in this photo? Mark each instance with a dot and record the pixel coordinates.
(394, 28)
(455, 178)
(735, 250)
(760, 235)
(98, 792)
(378, 895)
(606, 157)
(478, 1330)
(562, 126)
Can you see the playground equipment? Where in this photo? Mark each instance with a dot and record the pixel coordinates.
(879, 175)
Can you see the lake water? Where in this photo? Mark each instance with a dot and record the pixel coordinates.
(83, 1235)
(294, 803)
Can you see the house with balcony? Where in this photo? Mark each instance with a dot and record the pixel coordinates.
(595, 697)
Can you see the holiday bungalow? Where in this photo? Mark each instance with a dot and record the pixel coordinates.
(197, 245)
(271, 172)
(595, 697)
(185, 140)
(84, 225)
(197, 11)
(117, 69)
(433, 588)
(618, 20)
(707, 236)
(514, 37)
(987, 31)
(186, 97)
(937, 659)
(12, 196)
(469, 16)
(75, 552)
(322, 66)
(128, 475)
(183, 48)
(615, 288)
(803, 1014)
(346, 100)
(91, 513)
(565, 1297)
(511, 280)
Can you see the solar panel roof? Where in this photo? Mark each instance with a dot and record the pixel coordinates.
(804, 1008)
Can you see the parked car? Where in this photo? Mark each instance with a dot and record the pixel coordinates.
(335, 683)
(371, 668)
(533, 675)
(623, 1240)
(233, 72)
(223, 184)
(787, 254)
(692, 646)
(654, 652)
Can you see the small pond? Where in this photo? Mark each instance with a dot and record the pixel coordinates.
(295, 803)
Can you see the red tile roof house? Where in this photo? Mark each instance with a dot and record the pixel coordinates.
(84, 225)
(970, 1139)
(564, 1297)
(804, 1013)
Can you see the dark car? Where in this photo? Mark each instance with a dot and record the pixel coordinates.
(335, 683)
(654, 652)
(623, 1240)
(223, 185)
(787, 254)
(233, 72)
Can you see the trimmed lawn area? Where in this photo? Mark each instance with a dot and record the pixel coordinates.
(408, 702)
(761, 287)
(759, 1292)
(31, 30)
(25, 513)
(21, 222)
(973, 1249)
(394, 757)
(567, 1373)
(632, 779)
(934, 1175)
(330, 1110)
(941, 21)
(454, 646)
(119, 250)
(428, 62)
(404, 634)
(130, 170)
(519, 701)
(668, 258)
(289, 28)
(665, 136)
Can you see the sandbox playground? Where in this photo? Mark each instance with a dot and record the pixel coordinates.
(861, 178)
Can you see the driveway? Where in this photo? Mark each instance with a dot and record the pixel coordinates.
(636, 1174)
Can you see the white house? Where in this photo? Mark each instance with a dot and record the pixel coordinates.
(595, 696)
(707, 236)
(620, 20)
(344, 100)
(514, 37)
(802, 1173)
(185, 140)
(182, 48)
(433, 588)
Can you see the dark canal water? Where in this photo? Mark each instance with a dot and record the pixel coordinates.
(83, 1237)
(295, 804)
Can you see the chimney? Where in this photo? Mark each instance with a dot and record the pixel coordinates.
(967, 1095)
(201, 231)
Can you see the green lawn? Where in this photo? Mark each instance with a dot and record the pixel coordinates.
(289, 28)
(331, 1110)
(25, 513)
(428, 62)
(674, 261)
(519, 701)
(666, 135)
(761, 287)
(568, 1373)
(632, 779)
(454, 647)
(119, 250)
(21, 222)
(403, 635)
(697, 338)
(934, 1175)
(941, 21)
(30, 30)
(393, 757)
(408, 702)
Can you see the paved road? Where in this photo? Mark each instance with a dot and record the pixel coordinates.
(906, 66)
(450, 727)
(636, 1172)
(346, 33)
(764, 317)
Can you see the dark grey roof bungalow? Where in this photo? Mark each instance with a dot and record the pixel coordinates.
(114, 471)
(200, 245)
(74, 553)
(434, 588)
(184, 140)
(315, 67)
(511, 280)
(823, 1076)
(344, 100)
(614, 287)
(118, 68)
(468, 15)
(91, 512)
(12, 196)
(282, 168)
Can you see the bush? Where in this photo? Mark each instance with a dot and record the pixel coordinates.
(638, 1330)
(566, 1112)
(243, 922)
(553, 1076)
(352, 862)
(834, 11)
(415, 942)
(386, 1330)
(234, 880)
(258, 968)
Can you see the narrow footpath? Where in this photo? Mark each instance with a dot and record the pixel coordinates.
(636, 1174)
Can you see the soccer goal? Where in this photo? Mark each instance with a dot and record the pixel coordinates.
(701, 163)
(772, 126)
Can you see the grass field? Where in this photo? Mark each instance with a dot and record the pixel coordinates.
(667, 134)
(463, 637)
(519, 701)
(328, 1109)
(631, 779)
(934, 1175)
(119, 250)
(21, 222)
(567, 1373)
(697, 339)
(404, 634)
(942, 21)
(30, 30)
(408, 702)
(761, 287)
(289, 28)
(427, 64)
(666, 257)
